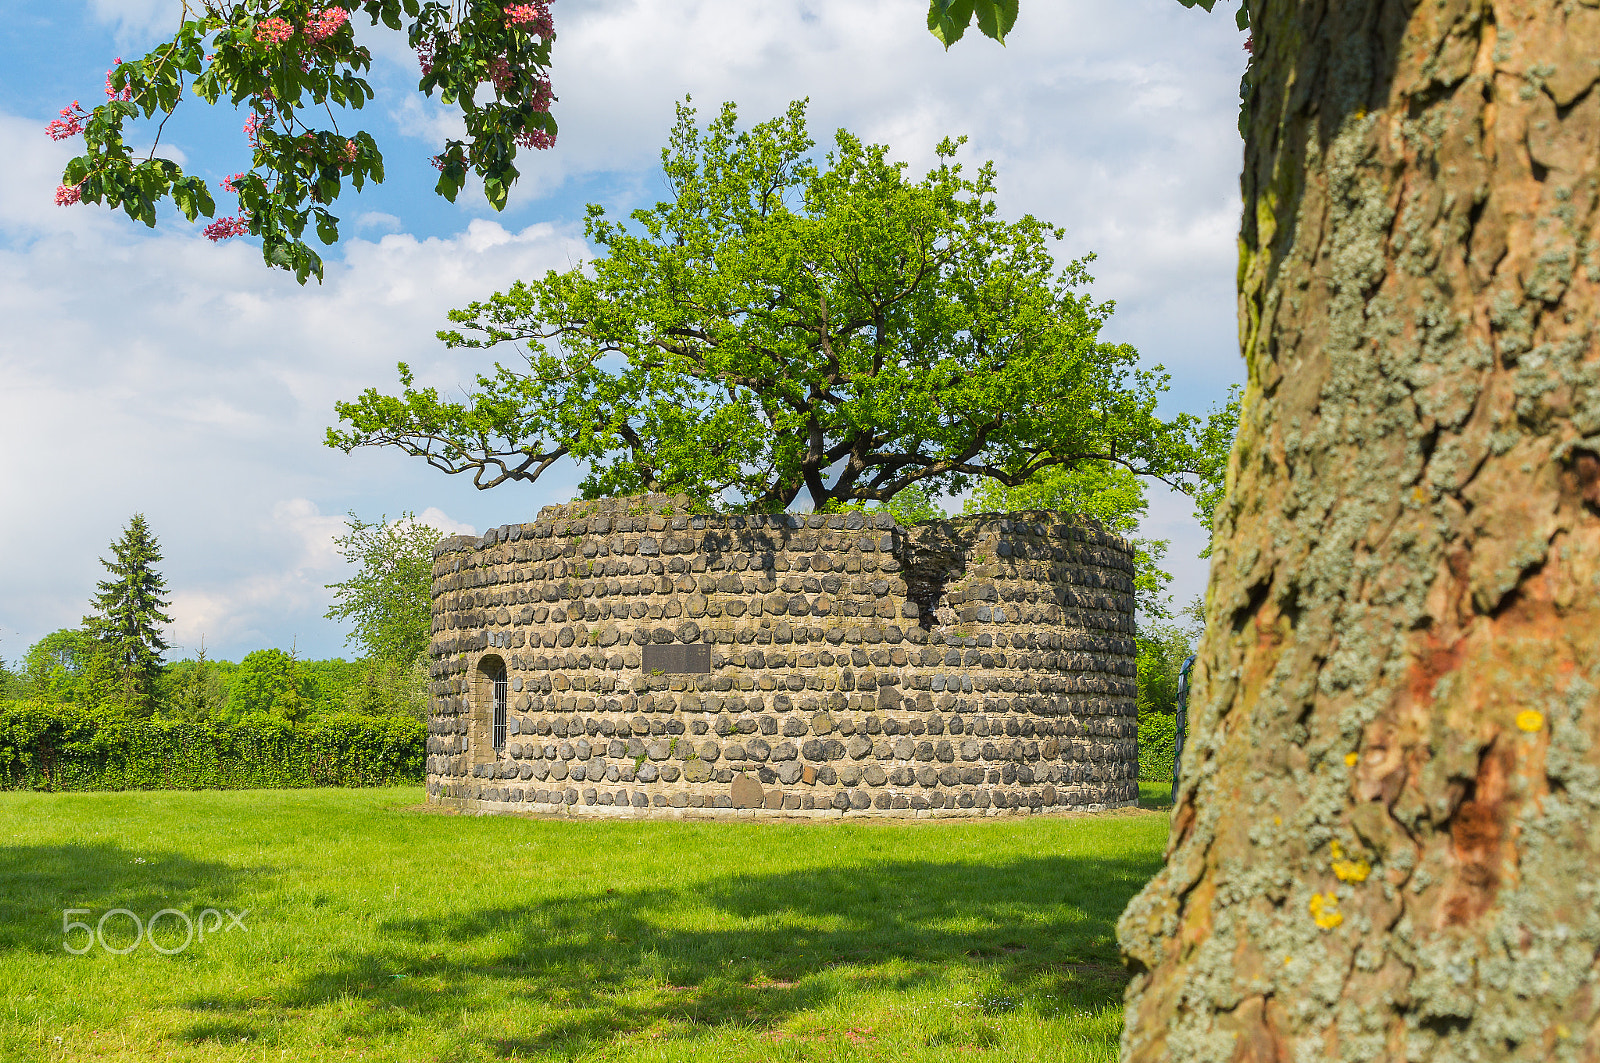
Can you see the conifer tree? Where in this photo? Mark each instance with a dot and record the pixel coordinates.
(127, 614)
(195, 688)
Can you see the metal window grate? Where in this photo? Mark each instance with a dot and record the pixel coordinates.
(1181, 723)
(499, 714)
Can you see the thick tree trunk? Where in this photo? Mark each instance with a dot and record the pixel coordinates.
(1387, 844)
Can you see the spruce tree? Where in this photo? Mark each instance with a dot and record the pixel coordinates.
(127, 614)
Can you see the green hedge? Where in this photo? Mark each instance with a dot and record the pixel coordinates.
(1158, 734)
(62, 747)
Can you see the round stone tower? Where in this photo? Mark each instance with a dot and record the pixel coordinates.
(628, 657)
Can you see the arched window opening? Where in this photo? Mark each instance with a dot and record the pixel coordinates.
(500, 713)
(494, 672)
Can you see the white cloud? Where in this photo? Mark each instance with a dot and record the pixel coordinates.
(313, 532)
(246, 606)
(426, 119)
(138, 23)
(435, 517)
(377, 219)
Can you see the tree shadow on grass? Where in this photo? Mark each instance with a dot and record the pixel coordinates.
(746, 950)
(38, 883)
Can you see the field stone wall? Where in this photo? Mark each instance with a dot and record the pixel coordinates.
(663, 663)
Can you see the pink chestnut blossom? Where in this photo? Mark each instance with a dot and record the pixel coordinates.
(535, 16)
(70, 124)
(116, 94)
(252, 129)
(226, 228)
(543, 95)
(536, 139)
(325, 23)
(273, 30)
(67, 195)
(501, 76)
(231, 184)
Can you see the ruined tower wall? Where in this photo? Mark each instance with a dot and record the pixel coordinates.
(663, 663)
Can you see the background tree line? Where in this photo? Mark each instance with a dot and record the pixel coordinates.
(113, 665)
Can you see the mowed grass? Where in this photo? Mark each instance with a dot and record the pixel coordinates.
(380, 931)
(1155, 794)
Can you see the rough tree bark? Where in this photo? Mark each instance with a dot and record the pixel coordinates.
(1387, 845)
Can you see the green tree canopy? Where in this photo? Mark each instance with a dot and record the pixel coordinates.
(389, 601)
(784, 327)
(68, 665)
(128, 617)
(269, 682)
(193, 689)
(388, 688)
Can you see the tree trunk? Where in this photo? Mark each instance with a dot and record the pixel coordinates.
(1387, 841)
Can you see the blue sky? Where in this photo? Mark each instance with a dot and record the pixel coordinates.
(150, 370)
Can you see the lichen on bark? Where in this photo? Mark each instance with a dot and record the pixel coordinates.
(1386, 839)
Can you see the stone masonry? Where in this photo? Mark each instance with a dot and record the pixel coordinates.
(663, 663)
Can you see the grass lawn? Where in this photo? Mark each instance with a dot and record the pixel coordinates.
(1154, 794)
(377, 931)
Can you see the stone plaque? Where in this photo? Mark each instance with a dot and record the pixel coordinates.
(677, 658)
(746, 792)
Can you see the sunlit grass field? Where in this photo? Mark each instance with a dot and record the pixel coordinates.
(375, 930)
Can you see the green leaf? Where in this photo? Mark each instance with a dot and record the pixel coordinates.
(996, 17)
(1241, 18)
(278, 253)
(494, 190)
(948, 19)
(327, 227)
